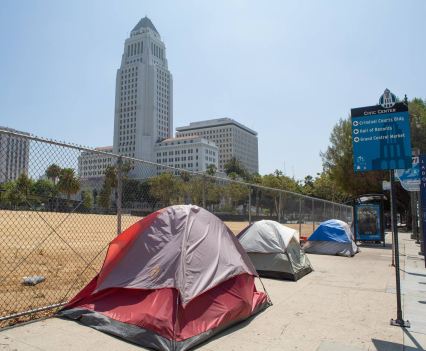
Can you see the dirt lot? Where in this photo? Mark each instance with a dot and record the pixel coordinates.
(67, 249)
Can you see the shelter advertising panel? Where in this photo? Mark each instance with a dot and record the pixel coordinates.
(368, 223)
(381, 138)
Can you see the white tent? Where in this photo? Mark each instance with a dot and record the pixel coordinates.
(274, 250)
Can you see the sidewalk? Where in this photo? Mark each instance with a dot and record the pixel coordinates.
(345, 305)
(413, 288)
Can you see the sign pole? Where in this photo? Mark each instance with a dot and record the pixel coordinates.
(422, 205)
(399, 320)
(381, 140)
(392, 218)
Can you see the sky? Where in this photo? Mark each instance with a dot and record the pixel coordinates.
(287, 69)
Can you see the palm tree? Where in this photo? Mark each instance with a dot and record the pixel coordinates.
(68, 183)
(53, 172)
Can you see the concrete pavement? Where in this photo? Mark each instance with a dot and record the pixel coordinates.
(346, 304)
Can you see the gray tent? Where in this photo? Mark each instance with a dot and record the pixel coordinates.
(274, 250)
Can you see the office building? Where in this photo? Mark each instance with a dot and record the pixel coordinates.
(231, 137)
(144, 94)
(14, 155)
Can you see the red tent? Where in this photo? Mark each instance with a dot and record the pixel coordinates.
(170, 281)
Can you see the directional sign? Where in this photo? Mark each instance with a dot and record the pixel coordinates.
(410, 178)
(381, 137)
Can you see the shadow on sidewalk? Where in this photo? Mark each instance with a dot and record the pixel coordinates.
(412, 273)
(388, 246)
(382, 345)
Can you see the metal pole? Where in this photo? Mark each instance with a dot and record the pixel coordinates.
(422, 229)
(119, 193)
(279, 207)
(398, 321)
(300, 217)
(323, 213)
(313, 215)
(392, 220)
(249, 206)
(417, 216)
(204, 192)
(413, 215)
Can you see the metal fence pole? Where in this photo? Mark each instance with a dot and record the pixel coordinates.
(249, 206)
(204, 192)
(300, 216)
(279, 207)
(313, 215)
(119, 193)
(323, 212)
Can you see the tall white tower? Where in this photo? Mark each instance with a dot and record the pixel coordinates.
(143, 94)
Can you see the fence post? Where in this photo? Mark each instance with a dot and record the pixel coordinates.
(249, 205)
(204, 192)
(279, 207)
(300, 217)
(324, 212)
(313, 215)
(119, 193)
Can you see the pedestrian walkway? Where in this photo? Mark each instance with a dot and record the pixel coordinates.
(413, 288)
(344, 305)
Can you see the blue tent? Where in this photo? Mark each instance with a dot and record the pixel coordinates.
(332, 230)
(332, 237)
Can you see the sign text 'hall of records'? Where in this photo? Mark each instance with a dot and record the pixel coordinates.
(370, 122)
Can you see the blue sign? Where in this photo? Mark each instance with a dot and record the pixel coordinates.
(422, 162)
(368, 224)
(410, 178)
(381, 138)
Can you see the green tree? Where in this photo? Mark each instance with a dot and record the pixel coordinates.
(237, 194)
(24, 184)
(87, 198)
(12, 196)
(211, 170)
(338, 163)
(308, 185)
(111, 176)
(111, 182)
(164, 188)
(53, 172)
(325, 188)
(234, 166)
(43, 191)
(104, 197)
(68, 183)
(417, 110)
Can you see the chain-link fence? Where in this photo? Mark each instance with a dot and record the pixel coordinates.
(61, 205)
